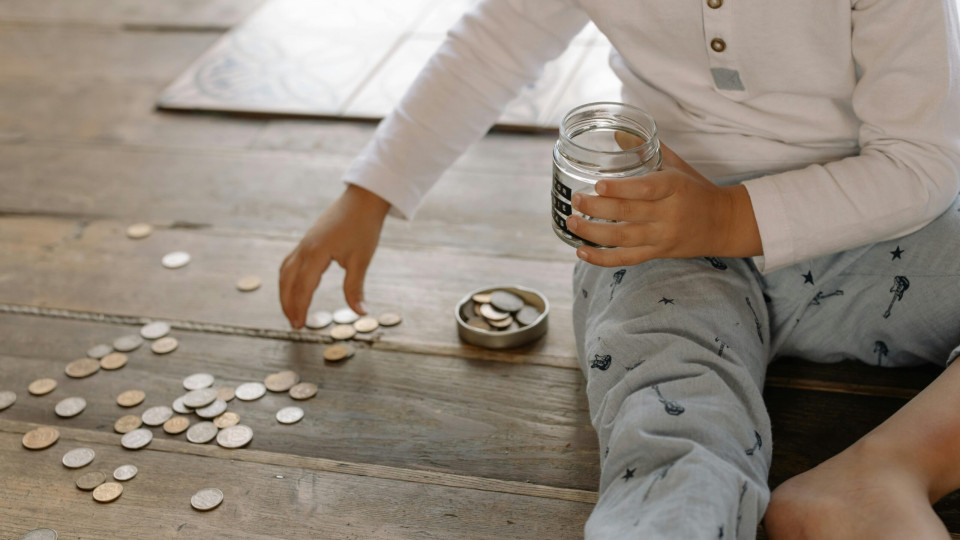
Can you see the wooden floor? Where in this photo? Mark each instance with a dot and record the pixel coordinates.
(417, 435)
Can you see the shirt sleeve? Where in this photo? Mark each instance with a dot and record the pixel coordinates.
(906, 174)
(497, 48)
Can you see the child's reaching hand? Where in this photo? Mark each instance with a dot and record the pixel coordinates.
(671, 213)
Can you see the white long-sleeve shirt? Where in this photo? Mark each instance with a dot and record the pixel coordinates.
(851, 106)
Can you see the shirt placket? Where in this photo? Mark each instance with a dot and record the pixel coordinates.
(720, 46)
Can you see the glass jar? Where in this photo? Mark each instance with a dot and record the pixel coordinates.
(599, 141)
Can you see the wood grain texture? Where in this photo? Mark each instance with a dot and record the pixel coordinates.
(260, 501)
(217, 15)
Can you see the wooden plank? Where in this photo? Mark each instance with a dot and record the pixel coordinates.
(851, 376)
(92, 266)
(213, 15)
(493, 420)
(260, 501)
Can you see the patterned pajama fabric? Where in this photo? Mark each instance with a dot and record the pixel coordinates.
(675, 353)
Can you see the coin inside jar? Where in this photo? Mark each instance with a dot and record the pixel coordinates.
(70, 407)
(343, 331)
(176, 425)
(206, 499)
(40, 438)
(304, 390)
(164, 345)
(127, 423)
(131, 398)
(366, 325)
(107, 492)
(139, 230)
(226, 420)
(389, 319)
(114, 360)
(83, 367)
(90, 480)
(155, 330)
(248, 283)
(336, 353)
(281, 381)
(78, 457)
(41, 387)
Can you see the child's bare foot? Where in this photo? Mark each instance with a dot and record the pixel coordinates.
(853, 495)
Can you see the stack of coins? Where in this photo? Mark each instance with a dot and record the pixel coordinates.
(498, 311)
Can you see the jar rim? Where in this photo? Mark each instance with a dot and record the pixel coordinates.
(631, 108)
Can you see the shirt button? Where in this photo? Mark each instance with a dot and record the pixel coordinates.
(715, 4)
(718, 44)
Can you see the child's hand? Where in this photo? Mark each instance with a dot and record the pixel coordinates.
(671, 213)
(347, 232)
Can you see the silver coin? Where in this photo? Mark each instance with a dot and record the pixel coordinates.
(527, 315)
(175, 259)
(179, 407)
(345, 316)
(506, 301)
(155, 330)
(493, 314)
(127, 343)
(40, 534)
(78, 457)
(70, 407)
(250, 391)
(99, 351)
(155, 416)
(198, 381)
(289, 415)
(199, 398)
(7, 398)
(206, 499)
(235, 436)
(125, 472)
(202, 433)
(212, 410)
(319, 319)
(136, 439)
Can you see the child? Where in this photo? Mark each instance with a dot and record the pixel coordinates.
(829, 229)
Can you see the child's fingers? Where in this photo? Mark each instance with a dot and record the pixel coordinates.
(614, 209)
(649, 187)
(617, 256)
(353, 284)
(611, 234)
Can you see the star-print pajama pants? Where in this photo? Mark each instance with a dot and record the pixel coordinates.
(675, 352)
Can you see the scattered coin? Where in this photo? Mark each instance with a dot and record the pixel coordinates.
(128, 423)
(40, 438)
(289, 415)
(281, 381)
(99, 351)
(481, 298)
(506, 301)
(131, 398)
(343, 331)
(125, 472)
(128, 343)
(492, 314)
(198, 381)
(39, 387)
(389, 319)
(199, 398)
(41, 534)
(107, 492)
(176, 425)
(91, 480)
(366, 325)
(70, 407)
(136, 439)
(179, 407)
(175, 259)
(212, 410)
(502, 323)
(226, 420)
(304, 390)
(250, 391)
(336, 353)
(225, 393)
(114, 360)
(7, 398)
(139, 230)
(164, 345)
(206, 499)
(527, 315)
(248, 283)
(78, 457)
(319, 319)
(480, 323)
(155, 330)
(202, 433)
(345, 316)
(155, 416)
(84, 367)
(235, 436)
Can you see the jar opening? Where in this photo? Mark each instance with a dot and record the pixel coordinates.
(609, 128)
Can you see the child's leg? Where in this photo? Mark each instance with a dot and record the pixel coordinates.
(675, 353)
(896, 303)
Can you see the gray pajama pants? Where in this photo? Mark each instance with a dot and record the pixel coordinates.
(675, 353)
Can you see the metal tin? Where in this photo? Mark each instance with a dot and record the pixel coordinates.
(505, 339)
